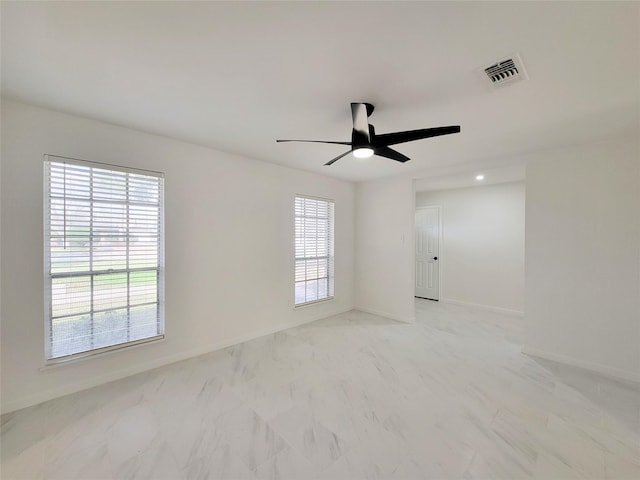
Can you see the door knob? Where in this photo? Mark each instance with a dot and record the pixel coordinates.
(435, 258)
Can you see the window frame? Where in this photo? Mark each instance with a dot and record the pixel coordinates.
(48, 276)
(330, 254)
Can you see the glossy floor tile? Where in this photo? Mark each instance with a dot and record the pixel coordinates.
(350, 397)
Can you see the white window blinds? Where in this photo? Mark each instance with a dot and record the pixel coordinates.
(103, 257)
(314, 249)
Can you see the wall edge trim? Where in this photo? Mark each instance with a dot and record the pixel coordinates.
(591, 366)
(386, 315)
(31, 400)
(517, 313)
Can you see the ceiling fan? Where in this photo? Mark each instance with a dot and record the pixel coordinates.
(365, 143)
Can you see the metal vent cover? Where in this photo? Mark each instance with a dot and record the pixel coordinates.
(506, 71)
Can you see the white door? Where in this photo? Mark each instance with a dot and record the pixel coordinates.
(427, 252)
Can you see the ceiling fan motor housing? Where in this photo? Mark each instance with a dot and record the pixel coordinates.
(360, 140)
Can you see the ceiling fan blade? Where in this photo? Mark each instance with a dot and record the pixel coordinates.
(394, 138)
(334, 160)
(390, 153)
(360, 122)
(316, 141)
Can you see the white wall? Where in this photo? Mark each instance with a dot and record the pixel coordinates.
(229, 247)
(583, 257)
(384, 254)
(482, 249)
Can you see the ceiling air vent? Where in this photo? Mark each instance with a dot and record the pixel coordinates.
(506, 71)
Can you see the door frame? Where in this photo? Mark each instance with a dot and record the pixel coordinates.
(440, 289)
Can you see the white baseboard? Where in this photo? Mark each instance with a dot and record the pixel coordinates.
(508, 311)
(574, 362)
(47, 395)
(386, 315)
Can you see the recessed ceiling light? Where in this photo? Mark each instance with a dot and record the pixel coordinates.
(363, 152)
(479, 177)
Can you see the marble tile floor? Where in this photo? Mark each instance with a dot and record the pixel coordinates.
(354, 396)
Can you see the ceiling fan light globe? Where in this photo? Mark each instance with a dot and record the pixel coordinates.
(363, 152)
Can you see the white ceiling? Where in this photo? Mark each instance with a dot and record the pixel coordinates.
(236, 76)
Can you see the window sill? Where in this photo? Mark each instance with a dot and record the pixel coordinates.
(55, 363)
(314, 302)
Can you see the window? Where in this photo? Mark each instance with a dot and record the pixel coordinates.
(314, 249)
(104, 265)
